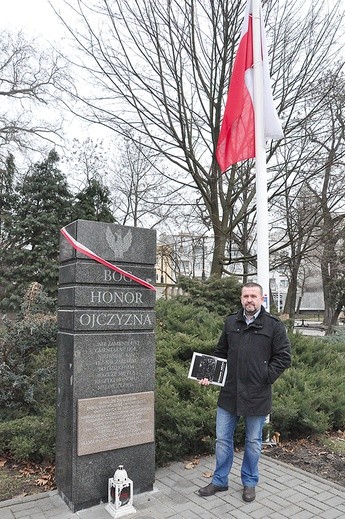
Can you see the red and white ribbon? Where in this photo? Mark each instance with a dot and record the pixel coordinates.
(84, 250)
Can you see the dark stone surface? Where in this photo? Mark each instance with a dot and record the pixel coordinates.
(88, 320)
(82, 480)
(88, 271)
(111, 242)
(106, 297)
(65, 414)
(111, 364)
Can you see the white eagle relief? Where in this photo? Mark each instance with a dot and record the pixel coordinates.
(118, 244)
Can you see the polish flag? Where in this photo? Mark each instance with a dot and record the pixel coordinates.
(236, 140)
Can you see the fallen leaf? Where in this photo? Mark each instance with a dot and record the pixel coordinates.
(41, 482)
(207, 474)
(189, 466)
(24, 473)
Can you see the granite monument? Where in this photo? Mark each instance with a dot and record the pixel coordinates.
(106, 362)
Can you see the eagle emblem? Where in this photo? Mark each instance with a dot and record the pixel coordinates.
(118, 244)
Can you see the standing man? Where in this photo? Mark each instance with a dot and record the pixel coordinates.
(257, 350)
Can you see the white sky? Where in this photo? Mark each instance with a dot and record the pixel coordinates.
(37, 20)
(35, 17)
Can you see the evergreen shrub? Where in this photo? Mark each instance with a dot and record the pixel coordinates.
(30, 437)
(185, 411)
(221, 296)
(309, 398)
(28, 379)
(28, 367)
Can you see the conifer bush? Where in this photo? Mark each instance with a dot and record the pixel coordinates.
(30, 437)
(185, 411)
(28, 352)
(220, 296)
(28, 379)
(309, 398)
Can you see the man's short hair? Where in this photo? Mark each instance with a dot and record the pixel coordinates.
(251, 285)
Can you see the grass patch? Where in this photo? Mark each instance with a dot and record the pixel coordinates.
(335, 442)
(12, 485)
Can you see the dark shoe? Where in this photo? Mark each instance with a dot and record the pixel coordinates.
(248, 494)
(210, 490)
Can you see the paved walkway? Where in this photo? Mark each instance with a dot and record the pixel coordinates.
(283, 492)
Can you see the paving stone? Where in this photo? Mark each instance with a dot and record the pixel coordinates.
(175, 497)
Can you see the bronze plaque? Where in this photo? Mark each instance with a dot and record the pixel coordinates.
(114, 422)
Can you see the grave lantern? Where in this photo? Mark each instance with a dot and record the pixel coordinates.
(120, 494)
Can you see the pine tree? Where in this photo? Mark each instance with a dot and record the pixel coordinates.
(8, 203)
(44, 206)
(7, 197)
(93, 203)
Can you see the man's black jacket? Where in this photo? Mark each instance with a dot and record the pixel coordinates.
(257, 355)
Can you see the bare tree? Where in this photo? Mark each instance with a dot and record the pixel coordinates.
(161, 70)
(310, 210)
(86, 160)
(299, 238)
(328, 134)
(338, 289)
(140, 196)
(30, 79)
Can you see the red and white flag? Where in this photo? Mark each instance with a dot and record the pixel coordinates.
(236, 140)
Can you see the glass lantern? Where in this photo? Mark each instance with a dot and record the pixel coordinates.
(120, 494)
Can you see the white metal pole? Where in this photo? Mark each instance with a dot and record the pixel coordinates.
(262, 243)
(260, 158)
(278, 290)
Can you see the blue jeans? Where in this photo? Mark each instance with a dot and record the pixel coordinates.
(225, 429)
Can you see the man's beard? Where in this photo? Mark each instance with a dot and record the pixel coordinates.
(250, 313)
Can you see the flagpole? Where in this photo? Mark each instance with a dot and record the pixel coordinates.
(260, 159)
